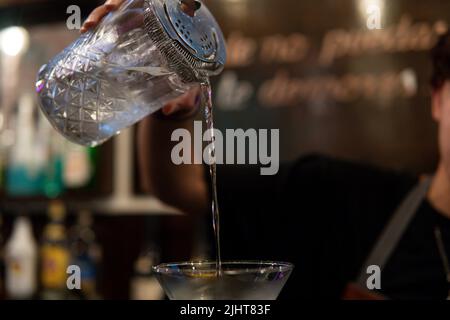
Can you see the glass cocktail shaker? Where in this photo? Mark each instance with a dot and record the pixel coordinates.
(137, 59)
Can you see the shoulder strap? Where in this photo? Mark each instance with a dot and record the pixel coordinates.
(394, 230)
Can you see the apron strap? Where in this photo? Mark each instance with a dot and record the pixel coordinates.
(394, 230)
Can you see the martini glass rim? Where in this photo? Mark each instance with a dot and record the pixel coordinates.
(232, 267)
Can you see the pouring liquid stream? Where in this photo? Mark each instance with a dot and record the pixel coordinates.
(209, 119)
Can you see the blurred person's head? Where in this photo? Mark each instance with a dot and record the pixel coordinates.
(440, 83)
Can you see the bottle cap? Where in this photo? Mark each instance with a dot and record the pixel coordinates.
(57, 211)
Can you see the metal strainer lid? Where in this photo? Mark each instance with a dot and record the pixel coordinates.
(192, 42)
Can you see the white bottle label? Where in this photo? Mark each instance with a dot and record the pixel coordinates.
(20, 277)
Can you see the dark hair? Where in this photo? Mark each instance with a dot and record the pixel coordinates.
(440, 57)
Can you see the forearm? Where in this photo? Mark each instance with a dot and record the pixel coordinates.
(182, 186)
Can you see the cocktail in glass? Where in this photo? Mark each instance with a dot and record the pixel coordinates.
(238, 280)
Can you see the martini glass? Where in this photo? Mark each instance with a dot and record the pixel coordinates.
(239, 280)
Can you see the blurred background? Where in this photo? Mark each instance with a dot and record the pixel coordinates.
(346, 78)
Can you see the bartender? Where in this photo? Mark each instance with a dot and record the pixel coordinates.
(333, 219)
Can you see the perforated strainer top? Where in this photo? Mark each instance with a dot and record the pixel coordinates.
(194, 46)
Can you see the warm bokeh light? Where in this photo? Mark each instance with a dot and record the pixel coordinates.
(368, 7)
(14, 40)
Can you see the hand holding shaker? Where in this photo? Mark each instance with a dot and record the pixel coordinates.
(137, 59)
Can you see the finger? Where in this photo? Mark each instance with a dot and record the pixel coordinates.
(167, 110)
(86, 26)
(113, 4)
(184, 105)
(173, 107)
(178, 114)
(94, 18)
(170, 109)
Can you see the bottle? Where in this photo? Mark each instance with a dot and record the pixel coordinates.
(86, 254)
(53, 179)
(3, 157)
(21, 174)
(21, 261)
(136, 60)
(55, 254)
(2, 261)
(41, 150)
(144, 285)
(77, 166)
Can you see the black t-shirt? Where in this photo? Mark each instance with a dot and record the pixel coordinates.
(324, 215)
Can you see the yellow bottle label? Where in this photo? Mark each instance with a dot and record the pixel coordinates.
(55, 260)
